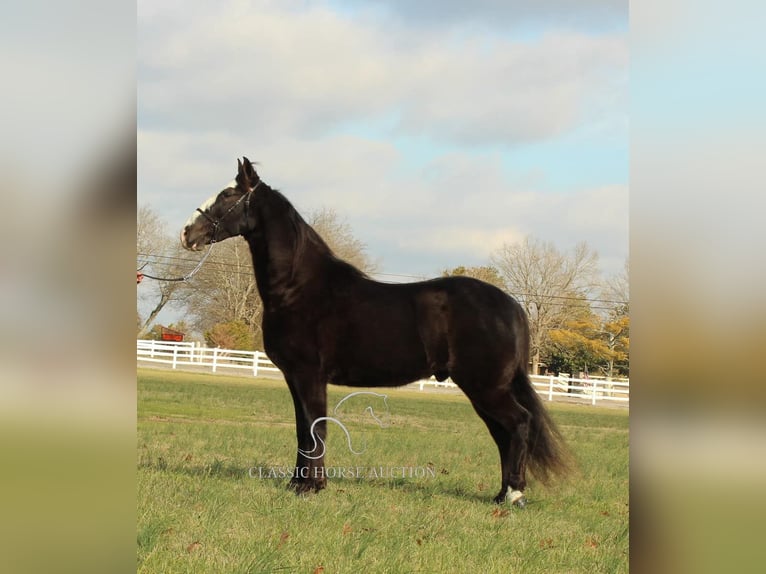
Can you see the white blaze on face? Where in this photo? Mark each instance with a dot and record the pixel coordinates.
(208, 203)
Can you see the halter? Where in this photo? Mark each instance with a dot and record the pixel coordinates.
(216, 223)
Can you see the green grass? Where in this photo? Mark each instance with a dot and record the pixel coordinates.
(199, 510)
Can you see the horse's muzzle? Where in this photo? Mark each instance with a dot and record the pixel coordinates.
(186, 241)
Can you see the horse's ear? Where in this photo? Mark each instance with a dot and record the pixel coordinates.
(246, 175)
(249, 169)
(242, 177)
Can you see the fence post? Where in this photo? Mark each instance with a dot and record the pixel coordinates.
(593, 390)
(175, 355)
(550, 388)
(151, 349)
(255, 364)
(215, 358)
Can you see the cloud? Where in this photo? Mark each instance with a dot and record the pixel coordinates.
(269, 71)
(405, 130)
(501, 13)
(453, 210)
(459, 242)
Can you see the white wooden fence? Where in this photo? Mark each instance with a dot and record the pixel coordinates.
(187, 354)
(592, 389)
(190, 355)
(550, 386)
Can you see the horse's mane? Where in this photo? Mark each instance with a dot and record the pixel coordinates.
(308, 241)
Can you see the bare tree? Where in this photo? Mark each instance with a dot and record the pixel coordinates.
(616, 291)
(616, 327)
(485, 273)
(225, 290)
(549, 284)
(338, 234)
(159, 252)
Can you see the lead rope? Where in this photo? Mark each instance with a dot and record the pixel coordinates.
(185, 277)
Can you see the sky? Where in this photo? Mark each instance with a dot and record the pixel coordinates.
(437, 130)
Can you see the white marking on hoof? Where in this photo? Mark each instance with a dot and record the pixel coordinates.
(514, 495)
(516, 498)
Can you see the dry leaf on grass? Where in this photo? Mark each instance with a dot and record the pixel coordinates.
(283, 538)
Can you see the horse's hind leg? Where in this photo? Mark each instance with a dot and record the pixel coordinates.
(503, 439)
(508, 423)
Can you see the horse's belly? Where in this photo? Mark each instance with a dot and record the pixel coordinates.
(373, 342)
(374, 378)
(379, 365)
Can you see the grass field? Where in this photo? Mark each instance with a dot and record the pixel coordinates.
(211, 498)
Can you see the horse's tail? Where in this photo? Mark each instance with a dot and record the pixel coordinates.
(547, 454)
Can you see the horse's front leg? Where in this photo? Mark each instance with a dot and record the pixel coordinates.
(310, 402)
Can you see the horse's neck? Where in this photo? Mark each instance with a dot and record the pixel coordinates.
(283, 259)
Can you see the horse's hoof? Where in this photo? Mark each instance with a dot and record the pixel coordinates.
(518, 499)
(303, 490)
(301, 487)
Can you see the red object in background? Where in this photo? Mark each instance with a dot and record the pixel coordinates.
(170, 335)
(139, 277)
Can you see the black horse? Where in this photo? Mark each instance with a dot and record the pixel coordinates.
(326, 321)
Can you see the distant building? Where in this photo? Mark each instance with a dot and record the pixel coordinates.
(170, 334)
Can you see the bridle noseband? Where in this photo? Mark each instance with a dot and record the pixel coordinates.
(217, 222)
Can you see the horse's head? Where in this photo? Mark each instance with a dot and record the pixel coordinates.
(225, 214)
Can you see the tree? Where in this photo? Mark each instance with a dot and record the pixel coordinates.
(339, 236)
(616, 328)
(225, 291)
(576, 345)
(616, 334)
(589, 343)
(547, 283)
(231, 335)
(616, 291)
(160, 253)
(597, 338)
(485, 273)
